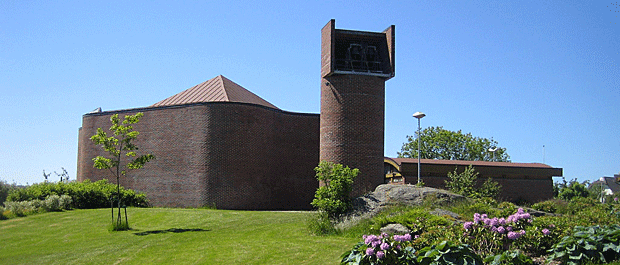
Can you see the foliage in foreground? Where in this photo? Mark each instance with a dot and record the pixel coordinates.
(381, 249)
(84, 195)
(505, 235)
(397, 249)
(53, 203)
(333, 196)
(588, 244)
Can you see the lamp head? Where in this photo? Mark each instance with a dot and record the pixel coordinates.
(419, 115)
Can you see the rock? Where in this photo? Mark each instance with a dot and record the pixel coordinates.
(386, 195)
(395, 229)
(442, 212)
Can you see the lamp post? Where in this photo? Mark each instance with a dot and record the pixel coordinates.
(419, 115)
(492, 150)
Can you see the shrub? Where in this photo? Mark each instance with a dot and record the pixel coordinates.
(54, 203)
(492, 235)
(320, 224)
(540, 236)
(464, 183)
(21, 208)
(588, 244)
(2, 213)
(479, 206)
(546, 206)
(447, 252)
(416, 219)
(5, 189)
(333, 196)
(381, 249)
(84, 195)
(510, 257)
(573, 190)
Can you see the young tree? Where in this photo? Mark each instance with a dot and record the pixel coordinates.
(464, 183)
(122, 150)
(439, 143)
(333, 196)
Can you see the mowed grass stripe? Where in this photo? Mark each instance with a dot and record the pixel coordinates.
(167, 236)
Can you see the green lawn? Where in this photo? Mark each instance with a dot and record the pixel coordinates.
(167, 236)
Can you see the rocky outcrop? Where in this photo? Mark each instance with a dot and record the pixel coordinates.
(389, 195)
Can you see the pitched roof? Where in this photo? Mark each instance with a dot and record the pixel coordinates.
(218, 88)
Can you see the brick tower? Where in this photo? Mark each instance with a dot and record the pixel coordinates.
(354, 68)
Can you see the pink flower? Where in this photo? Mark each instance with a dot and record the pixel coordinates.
(546, 231)
(384, 246)
(370, 251)
(380, 254)
(468, 225)
(513, 235)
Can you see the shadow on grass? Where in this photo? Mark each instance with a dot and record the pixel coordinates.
(171, 230)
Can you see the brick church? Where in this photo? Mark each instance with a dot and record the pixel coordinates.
(218, 144)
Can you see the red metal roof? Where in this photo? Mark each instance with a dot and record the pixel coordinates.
(218, 88)
(400, 161)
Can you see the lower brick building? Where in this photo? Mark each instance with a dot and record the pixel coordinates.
(216, 144)
(531, 182)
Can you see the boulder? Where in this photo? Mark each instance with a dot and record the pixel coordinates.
(395, 229)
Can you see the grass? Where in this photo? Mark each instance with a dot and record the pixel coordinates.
(167, 236)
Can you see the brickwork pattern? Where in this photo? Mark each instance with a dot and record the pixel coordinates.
(231, 155)
(352, 126)
(513, 189)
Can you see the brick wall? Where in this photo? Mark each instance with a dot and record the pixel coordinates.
(513, 188)
(231, 155)
(352, 125)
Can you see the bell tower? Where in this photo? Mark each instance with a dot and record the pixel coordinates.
(354, 68)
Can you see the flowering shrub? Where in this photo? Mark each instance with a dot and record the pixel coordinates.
(51, 203)
(381, 249)
(540, 236)
(490, 235)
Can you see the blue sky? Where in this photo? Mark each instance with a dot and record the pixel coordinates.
(525, 73)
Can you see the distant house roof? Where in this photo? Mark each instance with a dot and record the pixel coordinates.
(610, 182)
(218, 88)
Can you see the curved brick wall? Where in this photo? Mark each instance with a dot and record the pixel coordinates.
(231, 155)
(352, 125)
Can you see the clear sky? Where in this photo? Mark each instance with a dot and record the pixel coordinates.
(526, 73)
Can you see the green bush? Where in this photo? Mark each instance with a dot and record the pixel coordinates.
(417, 219)
(5, 189)
(447, 252)
(549, 206)
(333, 196)
(574, 190)
(510, 257)
(321, 225)
(381, 249)
(464, 183)
(541, 235)
(85, 195)
(588, 244)
(51, 204)
(479, 206)
(21, 208)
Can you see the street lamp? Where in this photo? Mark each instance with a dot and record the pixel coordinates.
(419, 115)
(492, 150)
